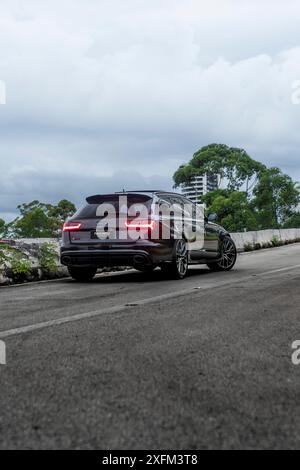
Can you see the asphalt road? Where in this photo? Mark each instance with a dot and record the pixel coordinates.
(133, 361)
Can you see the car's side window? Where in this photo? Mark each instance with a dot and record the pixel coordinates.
(164, 199)
(178, 200)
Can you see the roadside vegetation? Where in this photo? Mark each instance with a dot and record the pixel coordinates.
(14, 264)
(48, 259)
(275, 242)
(17, 266)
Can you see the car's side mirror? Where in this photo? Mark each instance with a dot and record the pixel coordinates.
(211, 217)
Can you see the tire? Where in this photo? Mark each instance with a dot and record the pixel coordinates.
(178, 268)
(82, 274)
(228, 256)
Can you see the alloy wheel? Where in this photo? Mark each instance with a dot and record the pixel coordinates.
(228, 254)
(181, 258)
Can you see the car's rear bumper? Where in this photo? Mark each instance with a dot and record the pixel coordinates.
(149, 255)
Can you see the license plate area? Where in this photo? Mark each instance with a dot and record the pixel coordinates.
(102, 235)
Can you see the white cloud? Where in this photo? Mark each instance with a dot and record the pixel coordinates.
(104, 88)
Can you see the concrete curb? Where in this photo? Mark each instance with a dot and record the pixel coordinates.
(263, 238)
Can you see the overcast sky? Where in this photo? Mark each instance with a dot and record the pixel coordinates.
(110, 94)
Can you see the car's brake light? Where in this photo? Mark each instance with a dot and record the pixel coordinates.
(72, 226)
(140, 224)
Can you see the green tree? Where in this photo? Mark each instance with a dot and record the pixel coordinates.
(27, 208)
(34, 224)
(256, 197)
(233, 209)
(232, 164)
(40, 220)
(63, 210)
(293, 221)
(276, 197)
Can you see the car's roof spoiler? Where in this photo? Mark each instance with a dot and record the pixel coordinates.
(99, 198)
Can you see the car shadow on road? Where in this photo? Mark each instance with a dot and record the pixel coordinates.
(139, 277)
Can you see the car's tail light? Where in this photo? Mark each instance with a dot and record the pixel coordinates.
(72, 226)
(140, 224)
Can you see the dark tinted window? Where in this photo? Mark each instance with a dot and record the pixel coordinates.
(172, 199)
(89, 210)
(164, 199)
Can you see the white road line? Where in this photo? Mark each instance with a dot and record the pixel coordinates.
(119, 308)
(279, 270)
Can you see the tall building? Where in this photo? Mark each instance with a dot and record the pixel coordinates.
(199, 186)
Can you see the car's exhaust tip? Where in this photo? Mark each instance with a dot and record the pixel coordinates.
(66, 260)
(139, 259)
(141, 262)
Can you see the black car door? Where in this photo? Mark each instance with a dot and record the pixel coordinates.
(211, 239)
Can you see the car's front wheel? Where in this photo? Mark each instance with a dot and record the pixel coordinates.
(228, 256)
(82, 274)
(178, 268)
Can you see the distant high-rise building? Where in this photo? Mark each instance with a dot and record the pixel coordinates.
(199, 186)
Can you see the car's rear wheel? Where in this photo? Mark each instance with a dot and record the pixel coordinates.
(228, 256)
(82, 274)
(178, 268)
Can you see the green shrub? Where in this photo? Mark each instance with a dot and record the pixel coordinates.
(276, 241)
(248, 247)
(48, 258)
(267, 245)
(20, 268)
(20, 265)
(3, 258)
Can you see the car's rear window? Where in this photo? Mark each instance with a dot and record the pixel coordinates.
(89, 210)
